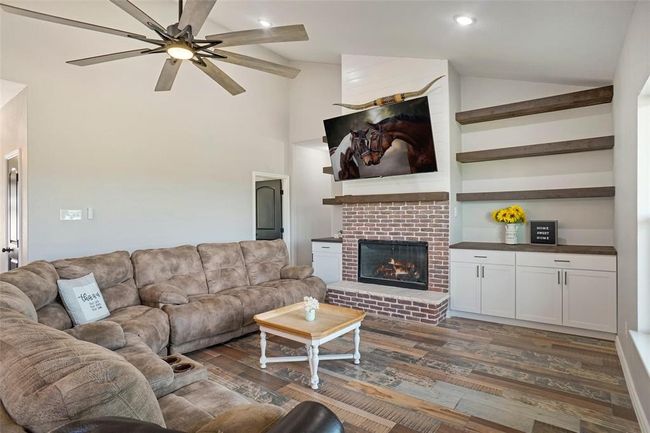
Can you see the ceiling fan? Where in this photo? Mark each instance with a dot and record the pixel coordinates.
(179, 41)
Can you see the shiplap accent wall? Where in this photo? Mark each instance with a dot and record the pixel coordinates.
(582, 221)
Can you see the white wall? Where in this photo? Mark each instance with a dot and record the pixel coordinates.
(631, 75)
(584, 221)
(159, 168)
(455, 168)
(13, 137)
(311, 96)
(310, 218)
(365, 78)
(643, 211)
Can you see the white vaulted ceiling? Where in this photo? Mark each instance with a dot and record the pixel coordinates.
(557, 41)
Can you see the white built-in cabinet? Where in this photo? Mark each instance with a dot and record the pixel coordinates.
(575, 290)
(327, 260)
(483, 282)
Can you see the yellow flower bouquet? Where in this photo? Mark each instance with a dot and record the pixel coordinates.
(514, 214)
(510, 216)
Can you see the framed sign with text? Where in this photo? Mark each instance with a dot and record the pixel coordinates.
(543, 232)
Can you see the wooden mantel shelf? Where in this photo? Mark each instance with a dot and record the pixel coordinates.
(563, 249)
(328, 170)
(387, 198)
(543, 149)
(584, 98)
(595, 192)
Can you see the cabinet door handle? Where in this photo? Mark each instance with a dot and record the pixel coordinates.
(562, 261)
(482, 271)
(566, 278)
(477, 271)
(480, 257)
(559, 278)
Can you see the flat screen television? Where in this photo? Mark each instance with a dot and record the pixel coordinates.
(391, 140)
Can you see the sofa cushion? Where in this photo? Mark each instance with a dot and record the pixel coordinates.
(195, 405)
(179, 266)
(113, 273)
(295, 290)
(105, 333)
(246, 418)
(223, 265)
(157, 372)
(150, 324)
(48, 378)
(204, 316)
(264, 259)
(13, 299)
(37, 280)
(257, 299)
(83, 300)
(54, 316)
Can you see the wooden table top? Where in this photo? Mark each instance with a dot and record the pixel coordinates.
(291, 319)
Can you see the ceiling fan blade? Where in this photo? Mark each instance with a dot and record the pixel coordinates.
(168, 75)
(109, 57)
(261, 36)
(220, 77)
(138, 14)
(67, 22)
(259, 64)
(195, 13)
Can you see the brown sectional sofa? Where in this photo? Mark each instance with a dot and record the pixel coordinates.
(180, 299)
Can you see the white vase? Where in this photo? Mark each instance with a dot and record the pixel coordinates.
(310, 315)
(511, 233)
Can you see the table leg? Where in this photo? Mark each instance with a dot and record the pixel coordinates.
(357, 340)
(263, 349)
(313, 366)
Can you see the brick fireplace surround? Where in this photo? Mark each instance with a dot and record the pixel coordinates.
(397, 221)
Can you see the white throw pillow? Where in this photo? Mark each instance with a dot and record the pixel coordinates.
(82, 299)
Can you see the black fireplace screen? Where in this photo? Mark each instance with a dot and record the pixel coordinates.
(393, 263)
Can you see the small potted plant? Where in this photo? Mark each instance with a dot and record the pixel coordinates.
(512, 217)
(311, 305)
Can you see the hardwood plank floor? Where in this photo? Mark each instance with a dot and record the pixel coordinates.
(463, 376)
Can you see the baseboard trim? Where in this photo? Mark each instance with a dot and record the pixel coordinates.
(644, 423)
(534, 325)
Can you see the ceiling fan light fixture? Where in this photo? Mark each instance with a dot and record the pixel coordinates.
(180, 51)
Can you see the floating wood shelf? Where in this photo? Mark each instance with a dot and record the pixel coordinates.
(584, 98)
(564, 249)
(543, 149)
(605, 191)
(328, 170)
(386, 198)
(325, 139)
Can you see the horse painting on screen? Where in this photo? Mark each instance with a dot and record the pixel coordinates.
(385, 141)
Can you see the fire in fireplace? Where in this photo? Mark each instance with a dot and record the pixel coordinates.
(393, 263)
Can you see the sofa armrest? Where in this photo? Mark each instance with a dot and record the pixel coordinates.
(104, 333)
(296, 272)
(162, 293)
(308, 417)
(112, 424)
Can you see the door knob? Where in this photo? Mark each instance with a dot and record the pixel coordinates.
(7, 250)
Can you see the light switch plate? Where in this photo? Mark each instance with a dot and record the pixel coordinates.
(70, 214)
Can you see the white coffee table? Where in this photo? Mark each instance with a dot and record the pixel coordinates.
(331, 322)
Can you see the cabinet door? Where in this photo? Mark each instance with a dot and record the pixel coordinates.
(498, 290)
(327, 266)
(465, 287)
(539, 294)
(590, 300)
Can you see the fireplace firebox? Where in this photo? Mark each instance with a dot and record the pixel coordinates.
(394, 263)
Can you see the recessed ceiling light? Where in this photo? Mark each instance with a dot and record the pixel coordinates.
(464, 20)
(264, 23)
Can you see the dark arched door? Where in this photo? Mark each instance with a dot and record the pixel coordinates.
(268, 210)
